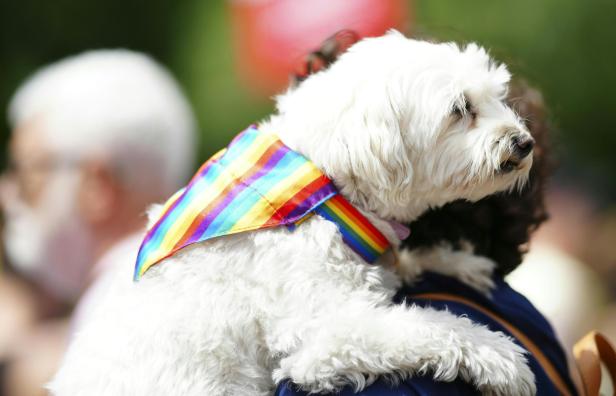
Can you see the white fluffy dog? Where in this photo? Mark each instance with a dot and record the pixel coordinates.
(399, 125)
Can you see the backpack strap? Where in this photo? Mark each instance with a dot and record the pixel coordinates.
(589, 352)
(526, 342)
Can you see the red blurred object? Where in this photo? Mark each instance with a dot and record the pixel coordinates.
(272, 37)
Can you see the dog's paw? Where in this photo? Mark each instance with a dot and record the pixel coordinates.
(498, 366)
(318, 374)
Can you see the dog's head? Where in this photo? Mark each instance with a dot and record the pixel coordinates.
(402, 125)
(499, 226)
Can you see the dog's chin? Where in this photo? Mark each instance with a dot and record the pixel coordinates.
(514, 166)
(508, 167)
(505, 178)
(513, 174)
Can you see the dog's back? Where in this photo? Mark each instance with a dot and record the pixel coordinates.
(196, 323)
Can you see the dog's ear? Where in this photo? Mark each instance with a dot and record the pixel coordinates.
(371, 151)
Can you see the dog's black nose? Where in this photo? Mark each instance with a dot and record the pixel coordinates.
(522, 146)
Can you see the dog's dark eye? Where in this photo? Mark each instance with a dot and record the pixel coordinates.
(461, 110)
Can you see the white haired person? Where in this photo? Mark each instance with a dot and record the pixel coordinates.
(95, 138)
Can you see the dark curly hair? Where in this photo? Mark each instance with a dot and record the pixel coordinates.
(498, 226)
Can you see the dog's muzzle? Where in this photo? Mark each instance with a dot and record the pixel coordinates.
(521, 147)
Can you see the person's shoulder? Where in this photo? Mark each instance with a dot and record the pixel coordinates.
(505, 310)
(503, 301)
(415, 386)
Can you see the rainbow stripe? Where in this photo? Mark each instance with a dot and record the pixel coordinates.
(357, 232)
(256, 183)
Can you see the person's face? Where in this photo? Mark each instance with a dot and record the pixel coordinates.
(44, 236)
(31, 161)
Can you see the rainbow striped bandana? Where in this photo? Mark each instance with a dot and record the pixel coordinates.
(256, 182)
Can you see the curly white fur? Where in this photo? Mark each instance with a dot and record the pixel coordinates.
(232, 316)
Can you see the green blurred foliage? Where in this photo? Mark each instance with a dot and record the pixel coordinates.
(204, 57)
(564, 47)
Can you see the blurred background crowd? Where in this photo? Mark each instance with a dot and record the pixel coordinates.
(94, 138)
